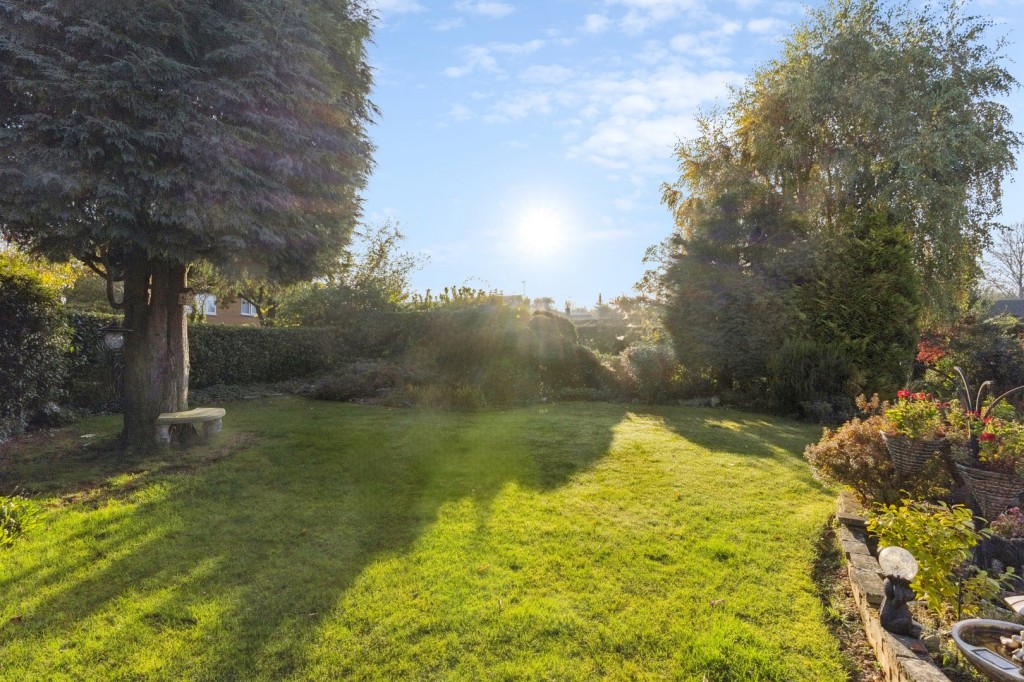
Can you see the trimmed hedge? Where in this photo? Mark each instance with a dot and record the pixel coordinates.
(251, 355)
(218, 354)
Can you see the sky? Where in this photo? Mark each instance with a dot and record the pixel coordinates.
(521, 145)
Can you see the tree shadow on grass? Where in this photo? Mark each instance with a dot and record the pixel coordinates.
(759, 437)
(227, 571)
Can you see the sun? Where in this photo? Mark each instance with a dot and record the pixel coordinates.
(541, 230)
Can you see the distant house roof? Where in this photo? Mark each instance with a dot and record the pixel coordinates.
(1009, 306)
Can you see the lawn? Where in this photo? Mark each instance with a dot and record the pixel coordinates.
(331, 541)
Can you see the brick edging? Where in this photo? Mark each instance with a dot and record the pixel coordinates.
(902, 659)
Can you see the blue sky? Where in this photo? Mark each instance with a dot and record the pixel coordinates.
(527, 141)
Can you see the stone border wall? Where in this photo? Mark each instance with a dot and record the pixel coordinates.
(902, 659)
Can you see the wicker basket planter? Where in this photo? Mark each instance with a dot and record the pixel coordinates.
(910, 455)
(992, 491)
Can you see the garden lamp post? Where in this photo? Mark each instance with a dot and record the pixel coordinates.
(113, 345)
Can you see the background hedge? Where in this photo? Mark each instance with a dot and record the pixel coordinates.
(33, 350)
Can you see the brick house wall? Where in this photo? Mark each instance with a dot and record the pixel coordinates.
(231, 313)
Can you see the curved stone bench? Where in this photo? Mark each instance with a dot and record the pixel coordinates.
(210, 417)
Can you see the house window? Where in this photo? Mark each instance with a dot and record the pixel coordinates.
(209, 303)
(248, 309)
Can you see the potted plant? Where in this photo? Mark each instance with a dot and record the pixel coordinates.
(987, 444)
(914, 432)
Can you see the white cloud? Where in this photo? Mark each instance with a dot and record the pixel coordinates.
(449, 24)
(551, 74)
(642, 14)
(787, 7)
(767, 25)
(382, 7)
(475, 58)
(596, 23)
(520, 106)
(460, 113)
(712, 45)
(481, 57)
(487, 8)
(528, 47)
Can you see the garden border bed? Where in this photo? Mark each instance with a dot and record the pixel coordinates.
(902, 659)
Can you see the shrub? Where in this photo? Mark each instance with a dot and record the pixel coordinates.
(806, 376)
(354, 380)
(941, 539)
(854, 455)
(652, 371)
(17, 515)
(34, 341)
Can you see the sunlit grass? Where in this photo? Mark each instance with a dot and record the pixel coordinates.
(575, 541)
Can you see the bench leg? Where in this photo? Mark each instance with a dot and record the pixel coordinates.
(211, 429)
(163, 435)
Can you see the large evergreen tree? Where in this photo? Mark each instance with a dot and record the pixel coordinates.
(141, 137)
(874, 142)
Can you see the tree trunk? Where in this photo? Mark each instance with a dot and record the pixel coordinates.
(156, 347)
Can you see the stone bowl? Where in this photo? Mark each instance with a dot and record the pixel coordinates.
(976, 638)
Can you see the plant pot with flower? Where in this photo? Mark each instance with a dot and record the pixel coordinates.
(914, 434)
(987, 444)
(995, 475)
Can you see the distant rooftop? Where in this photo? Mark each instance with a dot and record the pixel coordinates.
(1009, 306)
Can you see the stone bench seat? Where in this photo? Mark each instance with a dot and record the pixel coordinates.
(210, 417)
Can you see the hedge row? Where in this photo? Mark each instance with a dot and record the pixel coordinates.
(218, 354)
(250, 355)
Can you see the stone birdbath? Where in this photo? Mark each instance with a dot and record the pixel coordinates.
(981, 641)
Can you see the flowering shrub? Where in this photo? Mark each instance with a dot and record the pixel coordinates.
(915, 415)
(1009, 524)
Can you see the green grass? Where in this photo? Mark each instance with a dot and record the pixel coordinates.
(332, 541)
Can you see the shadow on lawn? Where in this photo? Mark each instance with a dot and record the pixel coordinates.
(749, 434)
(243, 560)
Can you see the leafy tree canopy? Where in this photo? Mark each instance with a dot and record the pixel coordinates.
(229, 131)
(873, 104)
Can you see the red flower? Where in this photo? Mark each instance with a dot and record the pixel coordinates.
(987, 420)
(903, 394)
(988, 436)
(920, 396)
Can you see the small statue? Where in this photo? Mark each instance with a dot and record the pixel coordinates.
(899, 567)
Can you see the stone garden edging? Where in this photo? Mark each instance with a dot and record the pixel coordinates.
(902, 659)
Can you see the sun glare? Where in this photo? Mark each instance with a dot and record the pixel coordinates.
(541, 230)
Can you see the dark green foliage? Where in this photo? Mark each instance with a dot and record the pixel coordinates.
(89, 382)
(246, 355)
(859, 170)
(810, 379)
(34, 341)
(361, 379)
(611, 336)
(986, 348)
(865, 300)
(231, 131)
(652, 370)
